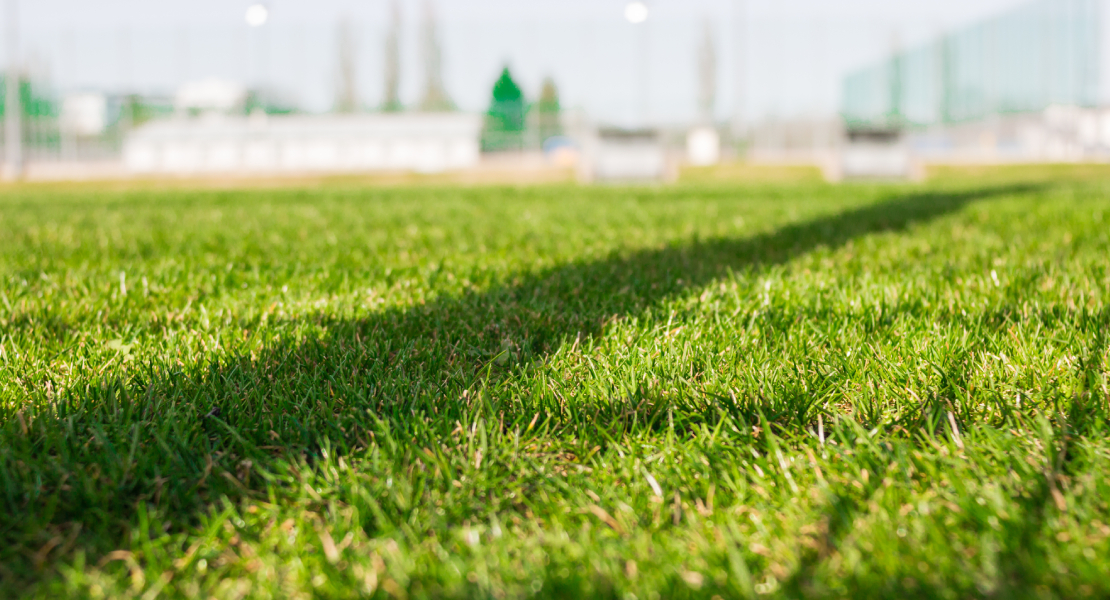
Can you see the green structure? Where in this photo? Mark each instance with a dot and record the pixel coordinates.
(513, 124)
(504, 125)
(33, 101)
(1039, 54)
(547, 111)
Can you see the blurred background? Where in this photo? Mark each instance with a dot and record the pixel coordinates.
(609, 89)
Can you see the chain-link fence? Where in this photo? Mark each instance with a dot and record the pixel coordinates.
(1039, 54)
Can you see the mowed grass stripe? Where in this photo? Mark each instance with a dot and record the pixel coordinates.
(784, 389)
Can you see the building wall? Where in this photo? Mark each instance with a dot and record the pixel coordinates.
(262, 144)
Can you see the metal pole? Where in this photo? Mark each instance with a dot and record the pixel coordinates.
(740, 41)
(643, 62)
(13, 142)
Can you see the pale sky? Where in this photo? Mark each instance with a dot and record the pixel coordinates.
(797, 50)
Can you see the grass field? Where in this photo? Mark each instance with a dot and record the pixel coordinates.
(709, 389)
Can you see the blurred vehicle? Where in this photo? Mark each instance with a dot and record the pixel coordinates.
(875, 154)
(561, 151)
(626, 155)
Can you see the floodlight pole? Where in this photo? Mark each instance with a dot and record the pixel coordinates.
(263, 58)
(739, 44)
(258, 45)
(13, 140)
(644, 74)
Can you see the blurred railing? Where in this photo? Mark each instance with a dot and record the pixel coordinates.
(44, 140)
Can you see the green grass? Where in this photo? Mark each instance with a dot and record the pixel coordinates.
(711, 389)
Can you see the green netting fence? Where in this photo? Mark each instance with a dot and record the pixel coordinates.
(1036, 55)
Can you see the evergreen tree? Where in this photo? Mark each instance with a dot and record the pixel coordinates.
(505, 119)
(392, 100)
(31, 99)
(435, 93)
(547, 109)
(507, 107)
(346, 100)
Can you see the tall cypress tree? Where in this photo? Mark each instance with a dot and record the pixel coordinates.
(547, 108)
(507, 107)
(504, 126)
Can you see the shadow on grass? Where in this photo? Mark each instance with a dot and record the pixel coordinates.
(179, 441)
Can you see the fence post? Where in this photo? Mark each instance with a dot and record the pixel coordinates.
(13, 142)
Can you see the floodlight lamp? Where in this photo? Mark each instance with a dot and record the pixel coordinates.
(636, 12)
(257, 15)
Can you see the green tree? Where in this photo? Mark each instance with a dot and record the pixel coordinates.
(504, 126)
(31, 99)
(507, 107)
(547, 110)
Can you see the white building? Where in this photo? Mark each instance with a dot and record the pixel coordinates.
(210, 96)
(84, 114)
(1056, 134)
(422, 142)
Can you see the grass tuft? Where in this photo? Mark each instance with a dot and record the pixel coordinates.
(711, 389)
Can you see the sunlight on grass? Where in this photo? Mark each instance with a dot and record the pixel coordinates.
(772, 388)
